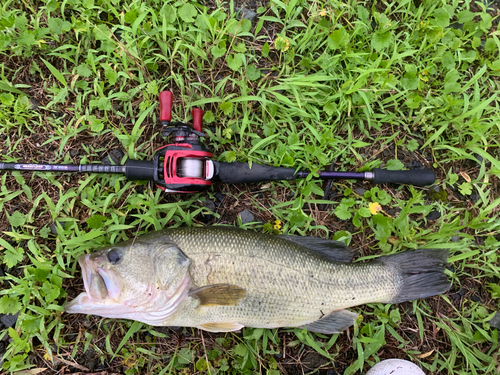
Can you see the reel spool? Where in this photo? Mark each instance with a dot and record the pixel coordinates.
(191, 168)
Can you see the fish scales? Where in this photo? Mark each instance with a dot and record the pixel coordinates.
(286, 284)
(222, 279)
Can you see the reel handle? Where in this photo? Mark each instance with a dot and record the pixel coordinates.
(166, 100)
(197, 118)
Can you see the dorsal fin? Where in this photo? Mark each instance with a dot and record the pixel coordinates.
(335, 251)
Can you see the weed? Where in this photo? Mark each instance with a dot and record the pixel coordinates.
(354, 84)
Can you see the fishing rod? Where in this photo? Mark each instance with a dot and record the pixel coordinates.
(186, 165)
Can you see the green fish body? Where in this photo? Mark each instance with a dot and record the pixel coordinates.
(222, 279)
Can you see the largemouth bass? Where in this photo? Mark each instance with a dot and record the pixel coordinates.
(221, 279)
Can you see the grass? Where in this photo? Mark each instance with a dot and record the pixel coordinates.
(358, 84)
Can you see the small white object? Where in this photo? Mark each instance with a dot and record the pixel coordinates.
(395, 367)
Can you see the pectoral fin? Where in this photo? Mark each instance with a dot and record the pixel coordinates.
(219, 295)
(220, 327)
(336, 322)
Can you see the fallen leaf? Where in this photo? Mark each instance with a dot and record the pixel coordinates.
(465, 176)
(425, 355)
(32, 371)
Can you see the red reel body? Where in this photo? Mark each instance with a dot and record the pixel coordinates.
(182, 168)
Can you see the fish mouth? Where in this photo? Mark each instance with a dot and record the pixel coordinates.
(101, 288)
(102, 296)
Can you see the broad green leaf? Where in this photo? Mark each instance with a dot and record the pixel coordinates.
(101, 32)
(169, 12)
(111, 75)
(21, 22)
(410, 81)
(342, 212)
(412, 145)
(12, 256)
(338, 39)
(5, 41)
(413, 100)
(252, 73)
(448, 60)
(330, 108)
(218, 50)
(381, 40)
(58, 26)
(202, 365)
(185, 356)
(240, 349)
(95, 221)
(26, 38)
(226, 107)
(17, 219)
(230, 156)
(236, 27)
(208, 117)
(7, 98)
(465, 188)
(394, 165)
(9, 305)
(83, 70)
(441, 17)
(131, 16)
(494, 290)
(187, 12)
(240, 47)
(234, 61)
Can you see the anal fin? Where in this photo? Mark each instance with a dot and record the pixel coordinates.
(219, 295)
(220, 327)
(336, 322)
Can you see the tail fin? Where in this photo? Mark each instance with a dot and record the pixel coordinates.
(421, 271)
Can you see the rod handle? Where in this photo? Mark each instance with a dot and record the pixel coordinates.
(418, 177)
(241, 173)
(166, 100)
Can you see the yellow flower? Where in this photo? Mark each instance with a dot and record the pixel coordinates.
(287, 45)
(282, 44)
(322, 12)
(423, 75)
(277, 225)
(375, 207)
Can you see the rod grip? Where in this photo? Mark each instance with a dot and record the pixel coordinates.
(241, 173)
(197, 118)
(139, 170)
(166, 100)
(418, 177)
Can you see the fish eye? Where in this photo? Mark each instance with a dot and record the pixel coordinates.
(114, 256)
